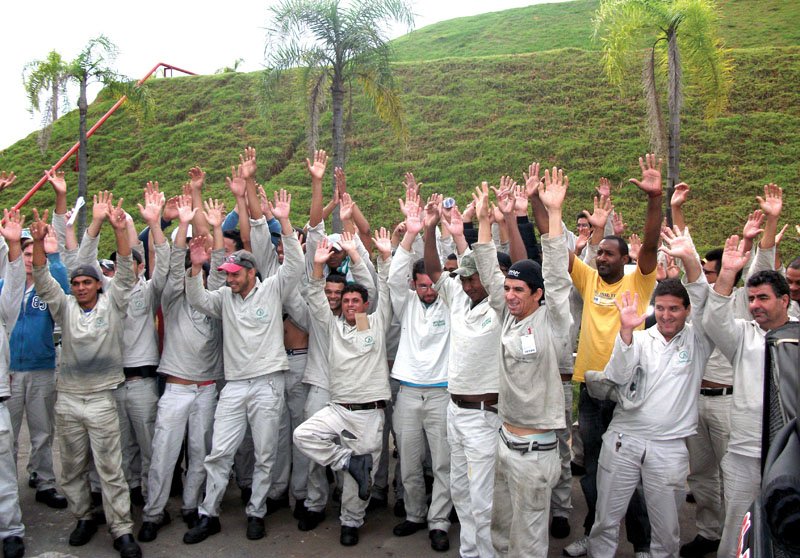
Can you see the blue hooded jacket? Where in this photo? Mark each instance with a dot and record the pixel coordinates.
(31, 341)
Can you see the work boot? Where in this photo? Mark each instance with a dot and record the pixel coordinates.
(699, 547)
(127, 547)
(559, 527)
(255, 528)
(310, 520)
(360, 467)
(407, 528)
(206, 526)
(13, 547)
(149, 529)
(51, 498)
(440, 542)
(83, 532)
(349, 536)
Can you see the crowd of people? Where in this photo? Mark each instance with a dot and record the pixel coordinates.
(286, 358)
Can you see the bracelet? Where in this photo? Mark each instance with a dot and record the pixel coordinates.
(656, 195)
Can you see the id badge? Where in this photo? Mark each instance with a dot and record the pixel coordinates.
(528, 344)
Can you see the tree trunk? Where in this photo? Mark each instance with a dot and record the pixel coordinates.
(675, 101)
(83, 180)
(337, 97)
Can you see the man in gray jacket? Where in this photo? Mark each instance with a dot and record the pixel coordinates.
(252, 341)
(91, 367)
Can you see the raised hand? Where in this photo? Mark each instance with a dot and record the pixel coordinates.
(414, 220)
(341, 181)
(772, 202)
(629, 317)
(198, 252)
(12, 230)
(604, 187)
(38, 227)
(680, 194)
(103, 204)
(602, 210)
(734, 256)
(411, 183)
(532, 181)
(412, 198)
(507, 201)
(323, 252)
(248, 163)
(185, 211)
(236, 184)
(673, 271)
(433, 211)
(618, 224)
(651, 176)
(555, 189)
(779, 236)
(263, 201)
(752, 228)
(469, 212)
(50, 239)
(481, 198)
(7, 180)
(347, 242)
(346, 207)
(214, 213)
(171, 209)
(678, 244)
(583, 238)
(197, 178)
(56, 179)
(383, 242)
(317, 168)
(117, 216)
(634, 246)
(520, 201)
(282, 205)
(154, 202)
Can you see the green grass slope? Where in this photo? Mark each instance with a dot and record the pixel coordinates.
(542, 27)
(470, 119)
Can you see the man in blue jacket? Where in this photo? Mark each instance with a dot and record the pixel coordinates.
(33, 374)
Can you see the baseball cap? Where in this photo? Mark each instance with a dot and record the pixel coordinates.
(467, 266)
(238, 260)
(335, 241)
(85, 270)
(108, 265)
(528, 271)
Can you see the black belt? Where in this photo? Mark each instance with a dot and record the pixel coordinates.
(363, 406)
(300, 351)
(712, 392)
(488, 405)
(525, 447)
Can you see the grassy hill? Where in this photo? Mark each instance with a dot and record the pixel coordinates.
(471, 116)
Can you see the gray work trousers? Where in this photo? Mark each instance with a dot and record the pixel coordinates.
(318, 488)
(137, 405)
(10, 514)
(561, 498)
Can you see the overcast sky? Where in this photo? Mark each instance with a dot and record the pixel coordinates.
(188, 35)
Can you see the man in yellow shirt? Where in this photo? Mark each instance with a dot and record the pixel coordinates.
(600, 326)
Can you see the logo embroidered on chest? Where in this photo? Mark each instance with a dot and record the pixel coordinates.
(38, 303)
(486, 322)
(683, 357)
(439, 323)
(368, 341)
(99, 322)
(260, 314)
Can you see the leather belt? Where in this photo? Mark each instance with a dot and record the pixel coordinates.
(525, 447)
(363, 406)
(712, 392)
(300, 351)
(487, 405)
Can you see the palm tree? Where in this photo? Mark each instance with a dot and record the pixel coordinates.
(91, 65)
(338, 45)
(669, 29)
(49, 75)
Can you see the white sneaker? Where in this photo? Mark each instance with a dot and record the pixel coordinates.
(642, 555)
(579, 547)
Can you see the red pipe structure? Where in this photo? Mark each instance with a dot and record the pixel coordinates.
(99, 123)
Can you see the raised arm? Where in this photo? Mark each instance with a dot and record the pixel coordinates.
(46, 286)
(625, 356)
(433, 266)
(507, 204)
(678, 244)
(733, 260)
(197, 179)
(237, 186)
(125, 277)
(316, 169)
(14, 285)
(247, 171)
(679, 196)
(485, 252)
(651, 185)
(771, 205)
(383, 242)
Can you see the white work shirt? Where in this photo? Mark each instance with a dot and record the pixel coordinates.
(425, 330)
(672, 373)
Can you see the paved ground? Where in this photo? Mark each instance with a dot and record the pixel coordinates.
(47, 531)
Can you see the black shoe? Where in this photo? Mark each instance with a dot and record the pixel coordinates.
(360, 467)
(83, 532)
(255, 528)
(189, 517)
(699, 547)
(33, 480)
(13, 547)
(206, 526)
(559, 527)
(136, 496)
(376, 504)
(149, 529)
(310, 520)
(274, 505)
(299, 508)
(245, 493)
(407, 528)
(127, 547)
(51, 498)
(399, 508)
(349, 536)
(577, 470)
(440, 542)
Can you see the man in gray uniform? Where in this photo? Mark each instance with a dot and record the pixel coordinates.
(252, 339)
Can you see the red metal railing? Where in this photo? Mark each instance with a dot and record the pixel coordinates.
(99, 123)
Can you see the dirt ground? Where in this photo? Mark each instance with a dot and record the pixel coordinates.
(47, 530)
